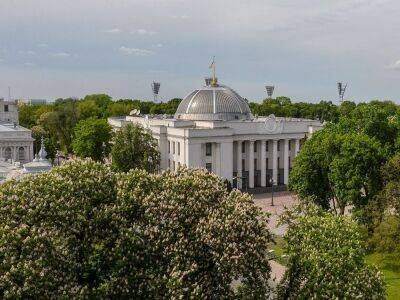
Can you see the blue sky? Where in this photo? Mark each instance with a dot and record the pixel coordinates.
(62, 48)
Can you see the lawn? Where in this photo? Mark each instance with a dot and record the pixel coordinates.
(390, 267)
(278, 250)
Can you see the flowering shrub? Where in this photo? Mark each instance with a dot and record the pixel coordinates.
(326, 258)
(83, 231)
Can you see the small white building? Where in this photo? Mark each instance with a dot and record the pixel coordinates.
(213, 128)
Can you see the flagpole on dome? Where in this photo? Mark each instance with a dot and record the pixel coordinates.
(212, 66)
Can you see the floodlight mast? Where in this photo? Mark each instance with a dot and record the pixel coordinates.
(155, 86)
(270, 90)
(341, 89)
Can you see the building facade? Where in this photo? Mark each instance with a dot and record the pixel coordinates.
(213, 128)
(16, 142)
(8, 111)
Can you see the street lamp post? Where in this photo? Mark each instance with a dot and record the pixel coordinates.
(272, 182)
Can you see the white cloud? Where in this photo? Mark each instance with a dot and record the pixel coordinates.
(135, 51)
(61, 54)
(29, 64)
(180, 17)
(113, 30)
(142, 31)
(395, 66)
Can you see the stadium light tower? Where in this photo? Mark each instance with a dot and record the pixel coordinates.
(341, 89)
(155, 86)
(270, 90)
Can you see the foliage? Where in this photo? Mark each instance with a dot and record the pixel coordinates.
(338, 168)
(326, 258)
(92, 139)
(386, 237)
(82, 231)
(135, 148)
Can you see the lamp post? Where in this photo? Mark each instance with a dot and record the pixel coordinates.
(272, 182)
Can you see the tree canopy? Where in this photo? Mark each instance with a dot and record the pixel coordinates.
(326, 258)
(338, 169)
(83, 231)
(135, 148)
(92, 139)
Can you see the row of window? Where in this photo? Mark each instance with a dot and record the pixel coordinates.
(176, 147)
(173, 165)
(266, 146)
(266, 163)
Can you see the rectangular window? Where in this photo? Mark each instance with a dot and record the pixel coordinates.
(209, 167)
(179, 148)
(208, 149)
(6, 107)
(173, 147)
(255, 164)
(266, 146)
(278, 162)
(174, 166)
(266, 162)
(255, 146)
(179, 164)
(279, 145)
(243, 147)
(243, 165)
(169, 147)
(289, 141)
(169, 163)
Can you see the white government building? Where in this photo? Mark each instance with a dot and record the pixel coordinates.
(16, 142)
(213, 128)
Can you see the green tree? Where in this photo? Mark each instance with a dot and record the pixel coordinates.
(338, 169)
(92, 139)
(88, 109)
(135, 148)
(326, 258)
(81, 231)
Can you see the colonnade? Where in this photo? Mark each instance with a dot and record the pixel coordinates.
(246, 158)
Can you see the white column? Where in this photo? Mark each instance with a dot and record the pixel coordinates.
(296, 147)
(14, 153)
(239, 164)
(275, 161)
(286, 161)
(251, 164)
(263, 164)
(194, 158)
(226, 160)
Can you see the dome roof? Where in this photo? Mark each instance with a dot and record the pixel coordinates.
(213, 103)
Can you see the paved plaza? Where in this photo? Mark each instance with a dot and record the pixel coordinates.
(281, 200)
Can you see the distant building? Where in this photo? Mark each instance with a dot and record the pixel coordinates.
(8, 111)
(16, 142)
(33, 101)
(213, 128)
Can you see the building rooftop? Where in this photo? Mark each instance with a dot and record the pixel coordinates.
(213, 102)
